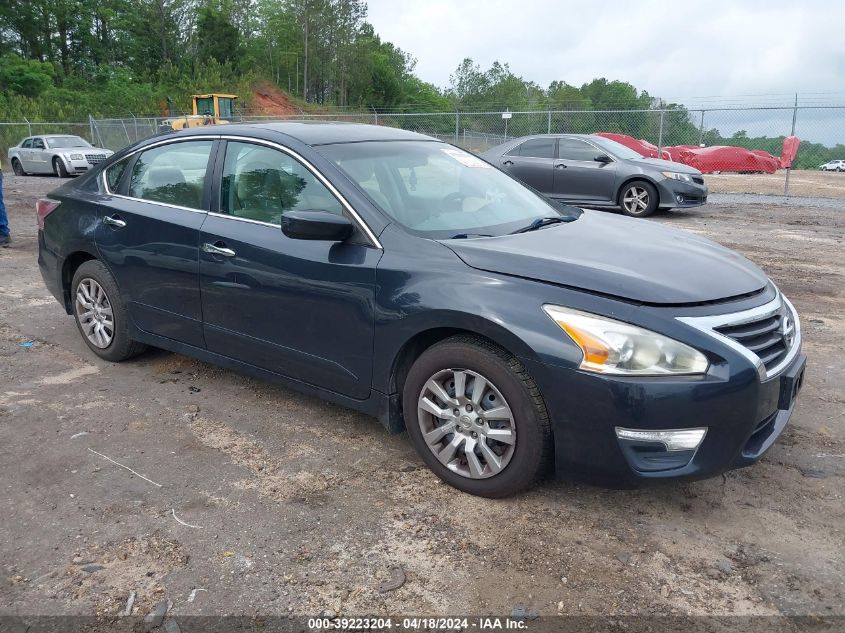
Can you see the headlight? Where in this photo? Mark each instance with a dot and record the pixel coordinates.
(677, 176)
(613, 347)
(76, 156)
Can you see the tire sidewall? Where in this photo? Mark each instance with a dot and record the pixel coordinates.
(59, 168)
(531, 451)
(653, 199)
(121, 344)
(17, 168)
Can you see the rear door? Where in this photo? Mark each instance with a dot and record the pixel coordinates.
(532, 162)
(300, 308)
(25, 155)
(148, 235)
(579, 177)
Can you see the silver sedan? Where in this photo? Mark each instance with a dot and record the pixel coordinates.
(60, 154)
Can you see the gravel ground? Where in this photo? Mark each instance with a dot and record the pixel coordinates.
(802, 182)
(244, 498)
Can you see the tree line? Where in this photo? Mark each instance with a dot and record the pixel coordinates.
(65, 59)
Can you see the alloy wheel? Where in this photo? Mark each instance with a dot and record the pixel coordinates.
(94, 312)
(635, 200)
(467, 423)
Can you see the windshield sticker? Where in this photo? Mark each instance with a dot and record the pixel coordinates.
(465, 158)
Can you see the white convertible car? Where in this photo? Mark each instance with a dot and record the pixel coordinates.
(60, 154)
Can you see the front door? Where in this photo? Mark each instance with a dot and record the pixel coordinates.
(300, 308)
(579, 177)
(148, 236)
(532, 163)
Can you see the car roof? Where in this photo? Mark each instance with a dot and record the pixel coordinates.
(319, 132)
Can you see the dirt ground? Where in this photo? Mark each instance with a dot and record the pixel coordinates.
(244, 498)
(802, 182)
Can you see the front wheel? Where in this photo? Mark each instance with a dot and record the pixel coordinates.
(59, 168)
(100, 313)
(477, 418)
(638, 199)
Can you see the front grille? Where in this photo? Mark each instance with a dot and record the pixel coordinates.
(93, 159)
(769, 338)
(698, 180)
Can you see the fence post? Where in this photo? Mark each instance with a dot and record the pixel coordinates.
(91, 125)
(457, 124)
(660, 135)
(788, 169)
(701, 130)
(28, 125)
(549, 124)
(375, 114)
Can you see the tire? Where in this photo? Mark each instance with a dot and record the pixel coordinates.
(638, 199)
(17, 167)
(114, 345)
(499, 469)
(59, 168)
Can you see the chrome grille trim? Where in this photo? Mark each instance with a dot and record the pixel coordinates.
(709, 325)
(93, 159)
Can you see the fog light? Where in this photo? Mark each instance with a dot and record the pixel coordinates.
(680, 198)
(676, 440)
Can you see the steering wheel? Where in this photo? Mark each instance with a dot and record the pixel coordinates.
(452, 202)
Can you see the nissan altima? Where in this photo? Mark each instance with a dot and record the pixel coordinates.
(406, 278)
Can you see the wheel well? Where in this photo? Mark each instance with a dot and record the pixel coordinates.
(635, 179)
(411, 351)
(69, 268)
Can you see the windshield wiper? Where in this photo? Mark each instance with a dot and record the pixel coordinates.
(463, 236)
(541, 222)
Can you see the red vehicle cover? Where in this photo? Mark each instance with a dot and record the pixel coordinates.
(637, 144)
(790, 151)
(727, 158)
(675, 152)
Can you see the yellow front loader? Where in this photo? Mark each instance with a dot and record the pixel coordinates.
(209, 109)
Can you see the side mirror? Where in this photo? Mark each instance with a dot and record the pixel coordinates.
(316, 225)
(603, 158)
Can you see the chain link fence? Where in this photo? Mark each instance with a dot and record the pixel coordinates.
(657, 133)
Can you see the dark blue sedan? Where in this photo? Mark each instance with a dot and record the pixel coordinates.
(399, 275)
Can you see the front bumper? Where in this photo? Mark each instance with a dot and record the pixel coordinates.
(743, 415)
(678, 194)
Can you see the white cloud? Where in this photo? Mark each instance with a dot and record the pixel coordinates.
(682, 51)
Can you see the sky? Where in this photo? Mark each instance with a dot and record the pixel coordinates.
(696, 53)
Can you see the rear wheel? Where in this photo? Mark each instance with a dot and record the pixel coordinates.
(100, 313)
(638, 199)
(59, 168)
(476, 417)
(17, 167)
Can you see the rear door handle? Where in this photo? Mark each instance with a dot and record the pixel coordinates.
(213, 249)
(114, 221)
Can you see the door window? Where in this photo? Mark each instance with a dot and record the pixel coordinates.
(261, 183)
(536, 148)
(574, 149)
(37, 144)
(115, 173)
(173, 174)
(27, 144)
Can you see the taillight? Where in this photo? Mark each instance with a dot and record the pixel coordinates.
(43, 208)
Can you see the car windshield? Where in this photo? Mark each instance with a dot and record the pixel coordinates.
(437, 190)
(617, 149)
(58, 142)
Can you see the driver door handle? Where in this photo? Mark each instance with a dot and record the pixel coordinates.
(114, 221)
(218, 250)
(560, 166)
(507, 162)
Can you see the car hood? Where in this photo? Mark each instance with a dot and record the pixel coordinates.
(633, 259)
(663, 165)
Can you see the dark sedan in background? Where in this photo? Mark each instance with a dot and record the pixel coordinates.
(393, 273)
(595, 171)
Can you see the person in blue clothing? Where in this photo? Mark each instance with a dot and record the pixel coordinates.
(4, 219)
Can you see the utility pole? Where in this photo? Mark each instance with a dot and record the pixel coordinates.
(789, 169)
